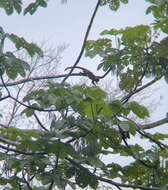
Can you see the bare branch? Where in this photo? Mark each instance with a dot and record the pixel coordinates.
(7, 141)
(5, 97)
(84, 41)
(27, 183)
(141, 131)
(45, 77)
(154, 124)
(144, 134)
(32, 107)
(39, 122)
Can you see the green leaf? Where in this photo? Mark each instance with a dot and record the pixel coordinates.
(132, 128)
(116, 107)
(29, 112)
(94, 161)
(19, 42)
(140, 35)
(95, 93)
(124, 1)
(125, 125)
(84, 178)
(15, 66)
(10, 5)
(114, 5)
(3, 181)
(98, 47)
(7, 5)
(17, 5)
(42, 3)
(138, 110)
(114, 169)
(150, 9)
(128, 81)
(32, 7)
(112, 32)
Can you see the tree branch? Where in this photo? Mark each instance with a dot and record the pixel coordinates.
(143, 133)
(45, 77)
(7, 141)
(154, 124)
(128, 96)
(21, 152)
(5, 97)
(27, 183)
(84, 41)
(40, 123)
(109, 181)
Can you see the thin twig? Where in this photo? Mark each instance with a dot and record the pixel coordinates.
(32, 107)
(55, 167)
(23, 104)
(27, 183)
(40, 123)
(128, 96)
(4, 85)
(135, 157)
(159, 144)
(5, 97)
(141, 131)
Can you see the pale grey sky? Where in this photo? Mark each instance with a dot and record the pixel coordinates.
(67, 23)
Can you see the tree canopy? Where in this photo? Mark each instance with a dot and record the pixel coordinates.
(84, 126)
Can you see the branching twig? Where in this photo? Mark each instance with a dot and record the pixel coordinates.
(32, 107)
(14, 109)
(135, 157)
(159, 144)
(143, 133)
(128, 96)
(23, 104)
(109, 181)
(39, 122)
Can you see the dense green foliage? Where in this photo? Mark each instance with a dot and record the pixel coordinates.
(87, 126)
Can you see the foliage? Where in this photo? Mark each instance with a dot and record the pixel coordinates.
(86, 126)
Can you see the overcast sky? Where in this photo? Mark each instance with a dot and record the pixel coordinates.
(67, 23)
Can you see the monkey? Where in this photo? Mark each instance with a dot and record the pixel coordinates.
(85, 72)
